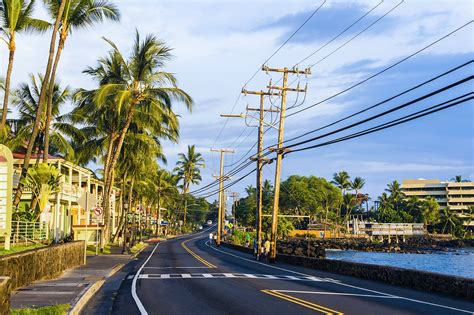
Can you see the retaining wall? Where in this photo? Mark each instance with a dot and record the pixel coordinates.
(42, 263)
(5, 288)
(415, 279)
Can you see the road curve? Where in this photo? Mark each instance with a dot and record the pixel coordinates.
(188, 275)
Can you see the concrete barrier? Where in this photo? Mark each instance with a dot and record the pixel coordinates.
(415, 279)
(5, 289)
(43, 263)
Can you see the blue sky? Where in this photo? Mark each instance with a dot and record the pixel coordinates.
(219, 44)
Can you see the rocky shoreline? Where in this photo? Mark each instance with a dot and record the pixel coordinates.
(416, 245)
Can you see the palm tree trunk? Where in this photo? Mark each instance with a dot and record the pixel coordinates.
(49, 108)
(158, 221)
(109, 182)
(7, 82)
(39, 112)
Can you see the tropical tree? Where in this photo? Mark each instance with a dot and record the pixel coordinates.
(396, 194)
(449, 219)
(26, 99)
(342, 180)
(41, 105)
(43, 180)
(188, 169)
(142, 87)
(16, 17)
(166, 189)
(458, 179)
(77, 14)
(430, 211)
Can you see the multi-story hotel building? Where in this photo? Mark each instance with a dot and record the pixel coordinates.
(457, 195)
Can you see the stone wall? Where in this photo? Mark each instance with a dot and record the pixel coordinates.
(415, 279)
(5, 287)
(43, 263)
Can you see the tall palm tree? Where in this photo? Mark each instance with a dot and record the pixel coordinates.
(26, 99)
(142, 87)
(396, 194)
(41, 105)
(77, 14)
(342, 180)
(165, 186)
(16, 17)
(188, 169)
(357, 184)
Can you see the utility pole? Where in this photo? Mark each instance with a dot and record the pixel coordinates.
(221, 212)
(235, 198)
(259, 158)
(281, 128)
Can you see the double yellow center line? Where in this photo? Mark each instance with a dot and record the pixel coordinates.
(205, 262)
(310, 305)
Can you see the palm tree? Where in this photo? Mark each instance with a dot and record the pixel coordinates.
(142, 87)
(165, 187)
(342, 180)
(458, 179)
(26, 99)
(396, 193)
(41, 104)
(77, 14)
(450, 219)
(16, 17)
(357, 184)
(188, 169)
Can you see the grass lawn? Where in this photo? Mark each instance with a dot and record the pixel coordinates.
(59, 309)
(91, 249)
(18, 249)
(137, 247)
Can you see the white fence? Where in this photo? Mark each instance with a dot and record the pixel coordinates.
(24, 232)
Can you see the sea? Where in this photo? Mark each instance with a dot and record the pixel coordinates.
(457, 262)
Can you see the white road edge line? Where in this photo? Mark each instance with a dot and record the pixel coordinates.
(340, 283)
(134, 282)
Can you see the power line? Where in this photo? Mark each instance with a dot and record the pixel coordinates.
(395, 122)
(391, 110)
(266, 60)
(383, 70)
(340, 33)
(358, 34)
(384, 101)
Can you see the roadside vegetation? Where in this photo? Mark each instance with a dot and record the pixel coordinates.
(120, 123)
(59, 309)
(334, 203)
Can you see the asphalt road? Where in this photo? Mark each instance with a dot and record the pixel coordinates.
(188, 276)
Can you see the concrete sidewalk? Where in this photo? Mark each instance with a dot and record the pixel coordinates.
(73, 286)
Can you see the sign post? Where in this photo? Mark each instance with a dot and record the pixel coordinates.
(86, 201)
(98, 211)
(6, 192)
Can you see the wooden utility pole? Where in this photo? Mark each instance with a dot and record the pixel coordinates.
(235, 198)
(260, 160)
(221, 212)
(281, 129)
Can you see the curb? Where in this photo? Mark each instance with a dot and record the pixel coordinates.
(86, 294)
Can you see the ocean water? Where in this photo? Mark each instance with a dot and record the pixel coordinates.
(458, 262)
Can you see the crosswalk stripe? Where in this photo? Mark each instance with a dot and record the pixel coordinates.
(231, 276)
